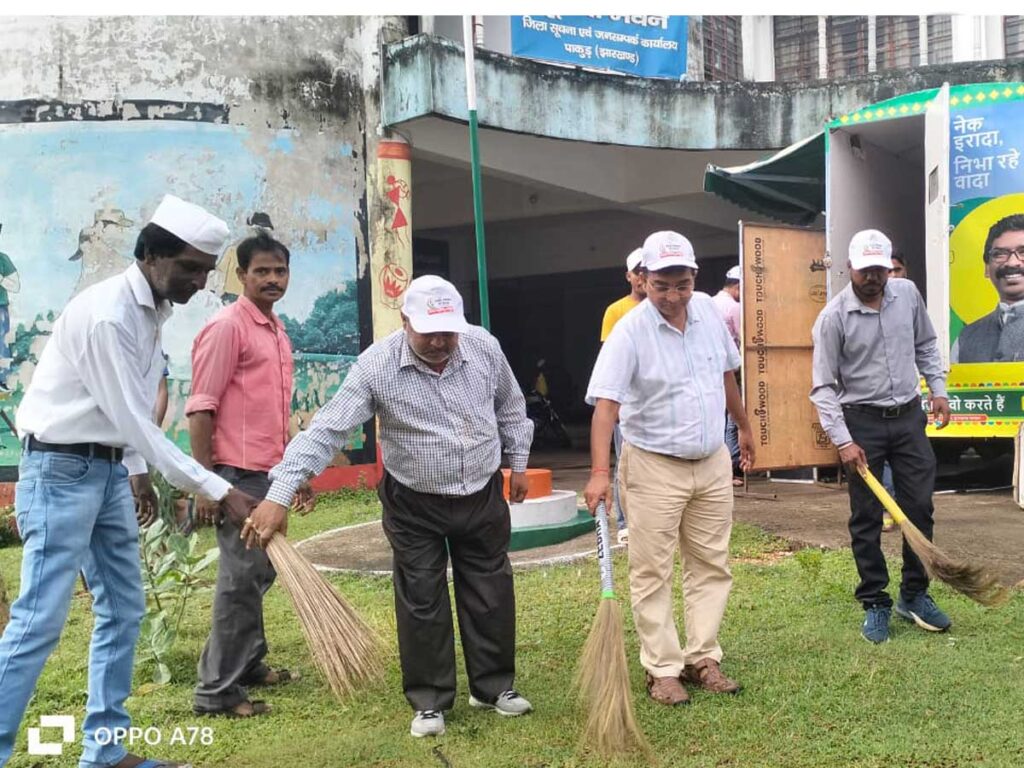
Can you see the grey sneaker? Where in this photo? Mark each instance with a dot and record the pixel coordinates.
(509, 704)
(876, 625)
(428, 722)
(923, 611)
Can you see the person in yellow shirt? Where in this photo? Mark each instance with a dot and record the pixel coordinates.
(617, 309)
(615, 312)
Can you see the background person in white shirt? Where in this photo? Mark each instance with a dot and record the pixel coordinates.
(727, 301)
(448, 406)
(89, 405)
(667, 373)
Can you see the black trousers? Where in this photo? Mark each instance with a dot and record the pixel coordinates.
(903, 443)
(234, 651)
(476, 529)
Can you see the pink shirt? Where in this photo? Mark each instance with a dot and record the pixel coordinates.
(242, 371)
(729, 309)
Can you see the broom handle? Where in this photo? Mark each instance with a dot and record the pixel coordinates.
(604, 552)
(883, 495)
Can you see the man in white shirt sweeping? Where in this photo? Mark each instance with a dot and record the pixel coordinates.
(90, 406)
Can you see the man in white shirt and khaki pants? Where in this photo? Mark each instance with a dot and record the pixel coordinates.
(667, 374)
(86, 423)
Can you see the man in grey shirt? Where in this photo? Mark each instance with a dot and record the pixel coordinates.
(870, 342)
(448, 407)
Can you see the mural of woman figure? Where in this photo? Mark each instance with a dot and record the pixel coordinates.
(398, 190)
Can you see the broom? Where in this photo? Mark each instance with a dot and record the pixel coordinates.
(603, 675)
(971, 580)
(344, 647)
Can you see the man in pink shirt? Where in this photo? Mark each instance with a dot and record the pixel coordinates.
(238, 415)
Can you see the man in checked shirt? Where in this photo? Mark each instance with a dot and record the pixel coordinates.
(448, 405)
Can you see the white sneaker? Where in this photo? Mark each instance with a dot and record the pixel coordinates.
(509, 704)
(624, 536)
(428, 722)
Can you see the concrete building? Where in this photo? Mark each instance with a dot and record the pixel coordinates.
(580, 165)
(350, 134)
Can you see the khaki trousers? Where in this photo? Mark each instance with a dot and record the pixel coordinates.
(672, 503)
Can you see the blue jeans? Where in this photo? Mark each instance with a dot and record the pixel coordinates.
(5, 350)
(620, 516)
(74, 514)
(732, 442)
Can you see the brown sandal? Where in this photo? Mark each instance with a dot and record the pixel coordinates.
(279, 675)
(667, 690)
(257, 707)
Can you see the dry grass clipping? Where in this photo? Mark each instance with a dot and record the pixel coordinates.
(603, 682)
(344, 647)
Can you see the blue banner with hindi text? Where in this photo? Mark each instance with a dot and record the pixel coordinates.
(646, 46)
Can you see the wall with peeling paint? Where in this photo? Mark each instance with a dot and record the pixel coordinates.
(99, 117)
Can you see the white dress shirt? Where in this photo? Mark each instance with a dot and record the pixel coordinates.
(97, 379)
(670, 384)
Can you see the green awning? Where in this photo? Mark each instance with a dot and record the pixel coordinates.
(788, 186)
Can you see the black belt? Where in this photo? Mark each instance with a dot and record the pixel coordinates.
(88, 450)
(887, 412)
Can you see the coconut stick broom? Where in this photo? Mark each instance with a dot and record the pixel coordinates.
(966, 578)
(344, 647)
(602, 678)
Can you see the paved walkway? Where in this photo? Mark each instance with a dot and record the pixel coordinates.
(982, 527)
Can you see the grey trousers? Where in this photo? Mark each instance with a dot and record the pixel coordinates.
(234, 652)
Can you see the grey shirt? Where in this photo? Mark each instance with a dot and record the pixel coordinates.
(872, 357)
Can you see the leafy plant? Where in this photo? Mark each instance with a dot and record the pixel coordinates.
(5, 612)
(173, 571)
(8, 528)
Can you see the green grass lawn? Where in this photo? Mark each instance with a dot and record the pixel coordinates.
(815, 694)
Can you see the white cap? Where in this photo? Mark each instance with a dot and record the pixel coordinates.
(434, 306)
(733, 273)
(196, 226)
(870, 248)
(634, 259)
(668, 249)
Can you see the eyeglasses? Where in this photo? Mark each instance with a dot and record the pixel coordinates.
(1001, 255)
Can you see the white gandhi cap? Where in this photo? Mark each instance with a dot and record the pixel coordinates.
(434, 306)
(196, 226)
(870, 248)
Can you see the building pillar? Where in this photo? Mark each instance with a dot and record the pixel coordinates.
(390, 190)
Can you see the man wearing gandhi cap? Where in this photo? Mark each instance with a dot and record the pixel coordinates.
(870, 342)
(448, 406)
(90, 406)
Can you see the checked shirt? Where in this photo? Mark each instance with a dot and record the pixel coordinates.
(440, 434)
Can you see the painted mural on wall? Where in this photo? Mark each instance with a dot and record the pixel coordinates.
(74, 195)
(391, 260)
